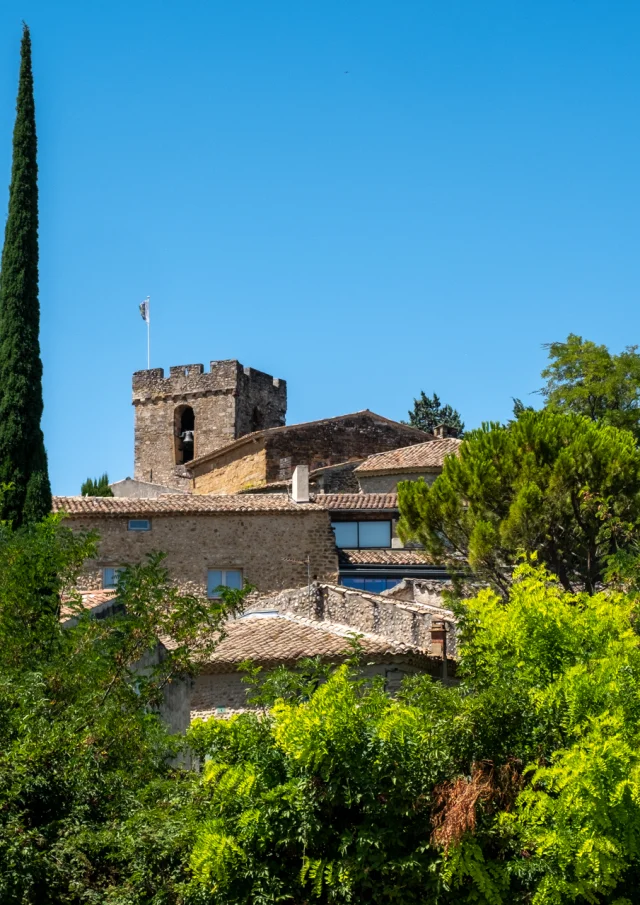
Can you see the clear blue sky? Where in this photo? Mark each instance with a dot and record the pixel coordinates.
(365, 198)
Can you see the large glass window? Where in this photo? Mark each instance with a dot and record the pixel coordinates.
(346, 534)
(225, 578)
(374, 534)
(364, 535)
(374, 585)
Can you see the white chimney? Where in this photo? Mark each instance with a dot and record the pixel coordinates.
(300, 484)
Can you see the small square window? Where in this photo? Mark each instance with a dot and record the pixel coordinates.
(139, 524)
(110, 576)
(225, 578)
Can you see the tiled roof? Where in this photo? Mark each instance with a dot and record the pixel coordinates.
(273, 639)
(270, 431)
(411, 458)
(176, 504)
(88, 600)
(385, 557)
(335, 501)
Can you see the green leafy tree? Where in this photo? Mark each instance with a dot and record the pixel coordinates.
(428, 412)
(587, 379)
(23, 460)
(519, 786)
(97, 486)
(91, 808)
(557, 485)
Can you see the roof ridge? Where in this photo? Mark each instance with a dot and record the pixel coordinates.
(268, 431)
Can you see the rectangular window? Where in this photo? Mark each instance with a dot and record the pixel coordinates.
(225, 578)
(362, 535)
(374, 534)
(346, 535)
(139, 524)
(375, 585)
(110, 576)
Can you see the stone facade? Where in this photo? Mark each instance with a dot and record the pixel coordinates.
(404, 619)
(223, 694)
(218, 407)
(388, 483)
(140, 490)
(273, 454)
(270, 548)
(404, 625)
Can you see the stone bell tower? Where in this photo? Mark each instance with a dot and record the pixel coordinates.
(190, 413)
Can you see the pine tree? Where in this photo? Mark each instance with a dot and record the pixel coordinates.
(428, 412)
(23, 460)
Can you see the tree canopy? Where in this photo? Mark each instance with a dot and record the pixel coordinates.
(86, 775)
(96, 486)
(23, 460)
(557, 485)
(428, 412)
(587, 379)
(521, 785)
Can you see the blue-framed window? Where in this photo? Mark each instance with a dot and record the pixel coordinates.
(139, 524)
(362, 535)
(110, 576)
(223, 578)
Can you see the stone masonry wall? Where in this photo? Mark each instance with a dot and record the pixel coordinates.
(334, 441)
(222, 694)
(227, 402)
(270, 547)
(239, 473)
(388, 483)
(316, 444)
(406, 622)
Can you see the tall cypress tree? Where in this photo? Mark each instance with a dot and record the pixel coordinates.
(23, 460)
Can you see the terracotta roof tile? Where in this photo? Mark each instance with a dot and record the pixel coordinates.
(410, 458)
(177, 504)
(335, 501)
(88, 600)
(385, 557)
(273, 639)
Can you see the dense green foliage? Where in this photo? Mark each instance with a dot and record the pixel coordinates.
(96, 486)
(521, 785)
(91, 808)
(587, 379)
(560, 486)
(428, 412)
(23, 460)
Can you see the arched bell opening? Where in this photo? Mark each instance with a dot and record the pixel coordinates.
(257, 421)
(184, 434)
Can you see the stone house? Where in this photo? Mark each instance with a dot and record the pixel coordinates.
(269, 540)
(397, 637)
(381, 473)
(271, 455)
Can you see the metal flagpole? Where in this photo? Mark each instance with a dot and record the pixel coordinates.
(145, 311)
(148, 333)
